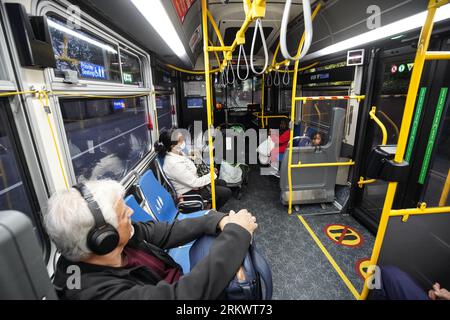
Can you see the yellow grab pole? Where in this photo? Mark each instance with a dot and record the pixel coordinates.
(208, 99)
(445, 191)
(291, 126)
(419, 63)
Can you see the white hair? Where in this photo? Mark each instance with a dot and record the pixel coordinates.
(68, 219)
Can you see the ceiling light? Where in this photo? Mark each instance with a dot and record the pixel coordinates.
(80, 36)
(155, 13)
(401, 26)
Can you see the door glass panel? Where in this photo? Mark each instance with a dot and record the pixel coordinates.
(107, 137)
(438, 186)
(390, 102)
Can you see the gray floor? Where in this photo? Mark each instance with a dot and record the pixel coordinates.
(300, 270)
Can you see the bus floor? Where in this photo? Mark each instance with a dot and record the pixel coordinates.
(301, 270)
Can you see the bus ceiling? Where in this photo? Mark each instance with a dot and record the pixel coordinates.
(132, 18)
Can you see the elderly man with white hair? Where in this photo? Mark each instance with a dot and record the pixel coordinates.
(117, 259)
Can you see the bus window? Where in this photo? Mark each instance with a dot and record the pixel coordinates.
(13, 190)
(131, 69)
(164, 108)
(317, 115)
(79, 51)
(106, 137)
(240, 94)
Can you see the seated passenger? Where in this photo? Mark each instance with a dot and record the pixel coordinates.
(281, 141)
(317, 140)
(135, 265)
(182, 172)
(397, 285)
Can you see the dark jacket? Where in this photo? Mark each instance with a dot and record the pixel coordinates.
(206, 281)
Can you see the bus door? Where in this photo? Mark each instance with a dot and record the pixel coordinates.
(417, 238)
(392, 74)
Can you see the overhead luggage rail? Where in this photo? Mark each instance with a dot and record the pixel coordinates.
(422, 56)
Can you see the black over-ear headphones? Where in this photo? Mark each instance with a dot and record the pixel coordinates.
(103, 238)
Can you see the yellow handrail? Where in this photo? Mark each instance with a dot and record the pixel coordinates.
(445, 191)
(422, 210)
(200, 72)
(208, 99)
(325, 98)
(323, 164)
(254, 10)
(421, 57)
(373, 116)
(293, 104)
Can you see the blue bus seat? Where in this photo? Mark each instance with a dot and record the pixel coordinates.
(179, 254)
(160, 201)
(139, 215)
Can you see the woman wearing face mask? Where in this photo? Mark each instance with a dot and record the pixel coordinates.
(182, 172)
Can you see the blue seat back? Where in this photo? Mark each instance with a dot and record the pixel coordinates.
(139, 215)
(158, 198)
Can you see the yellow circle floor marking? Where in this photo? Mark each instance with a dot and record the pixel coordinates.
(361, 267)
(344, 235)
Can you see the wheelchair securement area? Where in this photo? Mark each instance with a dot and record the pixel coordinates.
(345, 242)
(300, 269)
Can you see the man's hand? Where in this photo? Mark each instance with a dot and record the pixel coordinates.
(438, 293)
(243, 218)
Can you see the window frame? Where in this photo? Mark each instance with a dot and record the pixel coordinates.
(103, 33)
(25, 148)
(98, 88)
(141, 67)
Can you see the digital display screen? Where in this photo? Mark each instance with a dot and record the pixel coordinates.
(118, 105)
(90, 70)
(195, 103)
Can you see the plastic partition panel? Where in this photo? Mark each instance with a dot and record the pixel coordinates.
(420, 247)
(314, 185)
(23, 275)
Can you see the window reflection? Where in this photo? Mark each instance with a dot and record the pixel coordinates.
(12, 190)
(438, 186)
(131, 69)
(164, 108)
(240, 94)
(79, 51)
(106, 137)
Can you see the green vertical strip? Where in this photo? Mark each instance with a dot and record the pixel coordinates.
(433, 134)
(415, 124)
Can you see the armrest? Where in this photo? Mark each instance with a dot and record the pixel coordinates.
(191, 206)
(190, 197)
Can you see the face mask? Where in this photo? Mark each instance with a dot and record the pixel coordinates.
(182, 146)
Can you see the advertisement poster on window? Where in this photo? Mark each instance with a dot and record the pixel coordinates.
(182, 7)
